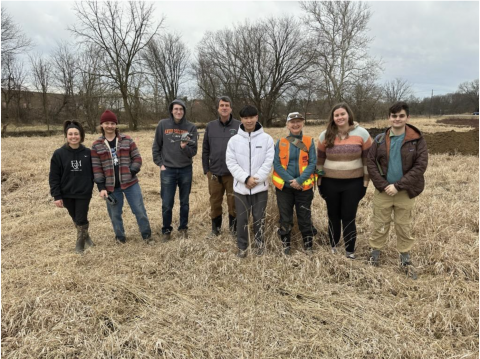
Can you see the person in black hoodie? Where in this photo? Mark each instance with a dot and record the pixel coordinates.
(71, 180)
(173, 149)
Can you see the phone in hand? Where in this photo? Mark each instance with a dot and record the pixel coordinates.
(110, 199)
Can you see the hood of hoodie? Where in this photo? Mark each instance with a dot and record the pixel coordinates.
(177, 102)
(258, 129)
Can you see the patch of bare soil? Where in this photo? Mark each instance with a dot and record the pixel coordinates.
(451, 142)
(465, 143)
(460, 122)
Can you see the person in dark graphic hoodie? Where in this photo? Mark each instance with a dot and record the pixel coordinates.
(71, 180)
(173, 149)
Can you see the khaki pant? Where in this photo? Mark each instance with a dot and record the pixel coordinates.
(402, 207)
(216, 188)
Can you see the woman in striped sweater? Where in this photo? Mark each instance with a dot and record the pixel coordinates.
(342, 157)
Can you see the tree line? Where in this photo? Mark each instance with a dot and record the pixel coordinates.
(122, 59)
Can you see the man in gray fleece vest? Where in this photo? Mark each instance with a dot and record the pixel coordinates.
(220, 180)
(174, 155)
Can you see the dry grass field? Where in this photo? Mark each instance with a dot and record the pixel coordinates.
(194, 299)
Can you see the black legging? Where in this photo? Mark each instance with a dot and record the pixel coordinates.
(342, 197)
(77, 209)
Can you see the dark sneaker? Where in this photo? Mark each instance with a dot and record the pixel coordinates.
(183, 233)
(166, 237)
(374, 258)
(242, 253)
(350, 255)
(121, 240)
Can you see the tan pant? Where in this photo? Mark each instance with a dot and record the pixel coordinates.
(402, 207)
(216, 189)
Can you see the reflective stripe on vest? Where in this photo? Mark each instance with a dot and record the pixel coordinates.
(284, 154)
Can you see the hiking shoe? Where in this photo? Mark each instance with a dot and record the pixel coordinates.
(183, 233)
(350, 255)
(166, 237)
(242, 253)
(407, 265)
(149, 241)
(121, 240)
(374, 258)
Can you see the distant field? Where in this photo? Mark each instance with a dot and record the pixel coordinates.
(194, 299)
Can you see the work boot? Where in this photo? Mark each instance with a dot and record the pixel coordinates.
(374, 259)
(80, 245)
(407, 265)
(308, 243)
(88, 240)
(216, 225)
(232, 224)
(286, 244)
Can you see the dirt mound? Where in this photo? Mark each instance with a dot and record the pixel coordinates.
(460, 122)
(451, 142)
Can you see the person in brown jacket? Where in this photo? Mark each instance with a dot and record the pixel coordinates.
(396, 164)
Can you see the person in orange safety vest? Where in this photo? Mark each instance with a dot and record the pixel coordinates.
(294, 177)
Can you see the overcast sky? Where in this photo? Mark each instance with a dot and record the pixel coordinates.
(433, 45)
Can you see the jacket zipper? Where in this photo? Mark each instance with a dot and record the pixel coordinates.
(250, 155)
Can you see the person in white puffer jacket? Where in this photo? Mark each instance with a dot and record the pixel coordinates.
(249, 159)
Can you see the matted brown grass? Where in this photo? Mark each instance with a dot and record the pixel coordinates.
(194, 299)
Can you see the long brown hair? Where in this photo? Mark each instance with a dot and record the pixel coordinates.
(332, 129)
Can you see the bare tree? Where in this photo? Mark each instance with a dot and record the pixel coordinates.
(13, 39)
(365, 98)
(397, 90)
(339, 39)
(470, 89)
(121, 34)
(167, 59)
(217, 69)
(13, 79)
(256, 62)
(64, 63)
(41, 69)
(90, 88)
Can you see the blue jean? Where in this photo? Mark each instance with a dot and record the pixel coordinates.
(170, 178)
(135, 201)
